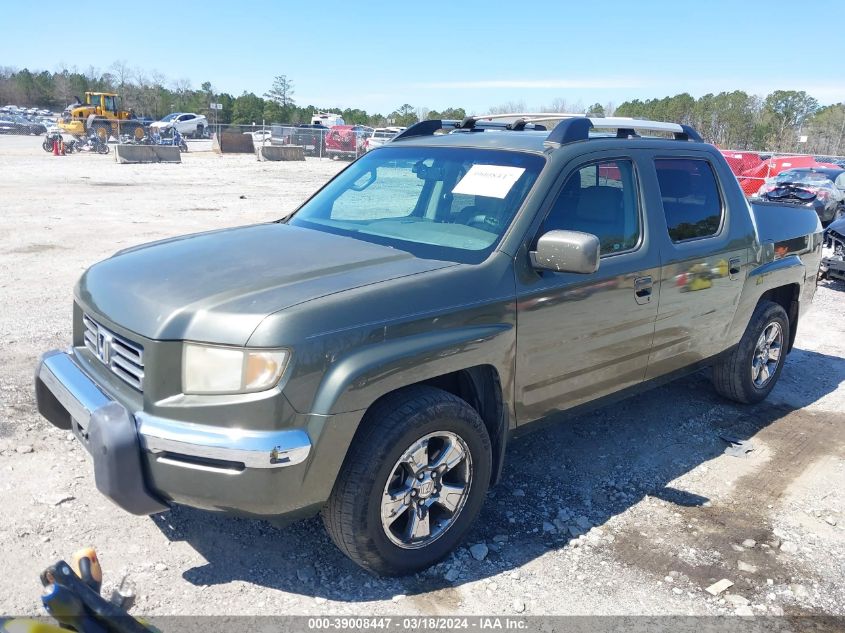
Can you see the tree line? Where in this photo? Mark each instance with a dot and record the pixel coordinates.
(153, 95)
(733, 120)
(736, 120)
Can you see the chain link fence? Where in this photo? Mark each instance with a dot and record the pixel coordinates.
(338, 142)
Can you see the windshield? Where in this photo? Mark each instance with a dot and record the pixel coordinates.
(795, 176)
(170, 117)
(434, 202)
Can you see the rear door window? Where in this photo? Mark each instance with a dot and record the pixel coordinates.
(692, 203)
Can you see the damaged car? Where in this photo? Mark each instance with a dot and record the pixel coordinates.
(823, 189)
(833, 251)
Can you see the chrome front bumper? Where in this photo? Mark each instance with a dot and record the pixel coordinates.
(70, 399)
(253, 449)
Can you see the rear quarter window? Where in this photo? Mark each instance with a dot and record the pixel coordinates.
(691, 199)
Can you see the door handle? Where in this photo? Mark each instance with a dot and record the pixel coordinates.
(734, 267)
(642, 289)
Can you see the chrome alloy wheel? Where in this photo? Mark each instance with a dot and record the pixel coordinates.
(767, 354)
(426, 491)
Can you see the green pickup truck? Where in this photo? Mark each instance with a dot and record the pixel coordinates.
(368, 357)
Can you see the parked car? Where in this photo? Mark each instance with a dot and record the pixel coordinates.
(17, 124)
(821, 188)
(833, 251)
(261, 137)
(310, 136)
(8, 125)
(347, 141)
(188, 124)
(379, 137)
(369, 356)
(34, 126)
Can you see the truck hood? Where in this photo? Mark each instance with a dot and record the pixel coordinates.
(217, 287)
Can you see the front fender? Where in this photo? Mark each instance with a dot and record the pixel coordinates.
(357, 380)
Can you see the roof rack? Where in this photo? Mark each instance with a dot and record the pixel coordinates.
(432, 126)
(571, 128)
(578, 129)
(520, 119)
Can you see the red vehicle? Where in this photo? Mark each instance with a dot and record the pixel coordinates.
(752, 171)
(347, 141)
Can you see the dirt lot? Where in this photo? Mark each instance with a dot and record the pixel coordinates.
(633, 509)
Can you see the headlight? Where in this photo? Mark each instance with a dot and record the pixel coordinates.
(208, 369)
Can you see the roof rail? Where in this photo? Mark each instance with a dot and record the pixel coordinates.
(572, 127)
(431, 126)
(425, 128)
(578, 129)
(520, 119)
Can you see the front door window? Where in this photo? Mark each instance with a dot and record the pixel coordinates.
(601, 199)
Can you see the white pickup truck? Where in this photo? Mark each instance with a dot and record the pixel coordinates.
(380, 136)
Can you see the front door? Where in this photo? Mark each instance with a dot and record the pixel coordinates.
(580, 337)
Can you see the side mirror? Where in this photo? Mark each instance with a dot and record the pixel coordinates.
(567, 252)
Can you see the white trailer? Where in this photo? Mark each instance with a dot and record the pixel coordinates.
(327, 119)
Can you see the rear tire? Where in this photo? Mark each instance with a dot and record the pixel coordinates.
(749, 372)
(413, 482)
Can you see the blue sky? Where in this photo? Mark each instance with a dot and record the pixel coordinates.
(378, 56)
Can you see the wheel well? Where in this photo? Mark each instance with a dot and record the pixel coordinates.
(787, 297)
(481, 388)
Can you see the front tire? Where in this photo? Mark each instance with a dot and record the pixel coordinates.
(749, 372)
(412, 483)
(135, 131)
(102, 130)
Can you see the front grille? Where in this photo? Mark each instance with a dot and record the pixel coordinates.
(122, 356)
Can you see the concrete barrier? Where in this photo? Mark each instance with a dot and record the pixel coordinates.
(233, 143)
(132, 154)
(280, 152)
(167, 153)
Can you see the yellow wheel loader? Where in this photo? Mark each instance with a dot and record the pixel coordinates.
(102, 115)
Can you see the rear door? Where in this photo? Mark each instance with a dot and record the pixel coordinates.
(703, 262)
(580, 337)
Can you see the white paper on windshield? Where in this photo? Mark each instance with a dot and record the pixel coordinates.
(493, 181)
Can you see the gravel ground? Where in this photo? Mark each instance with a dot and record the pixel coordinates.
(633, 509)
